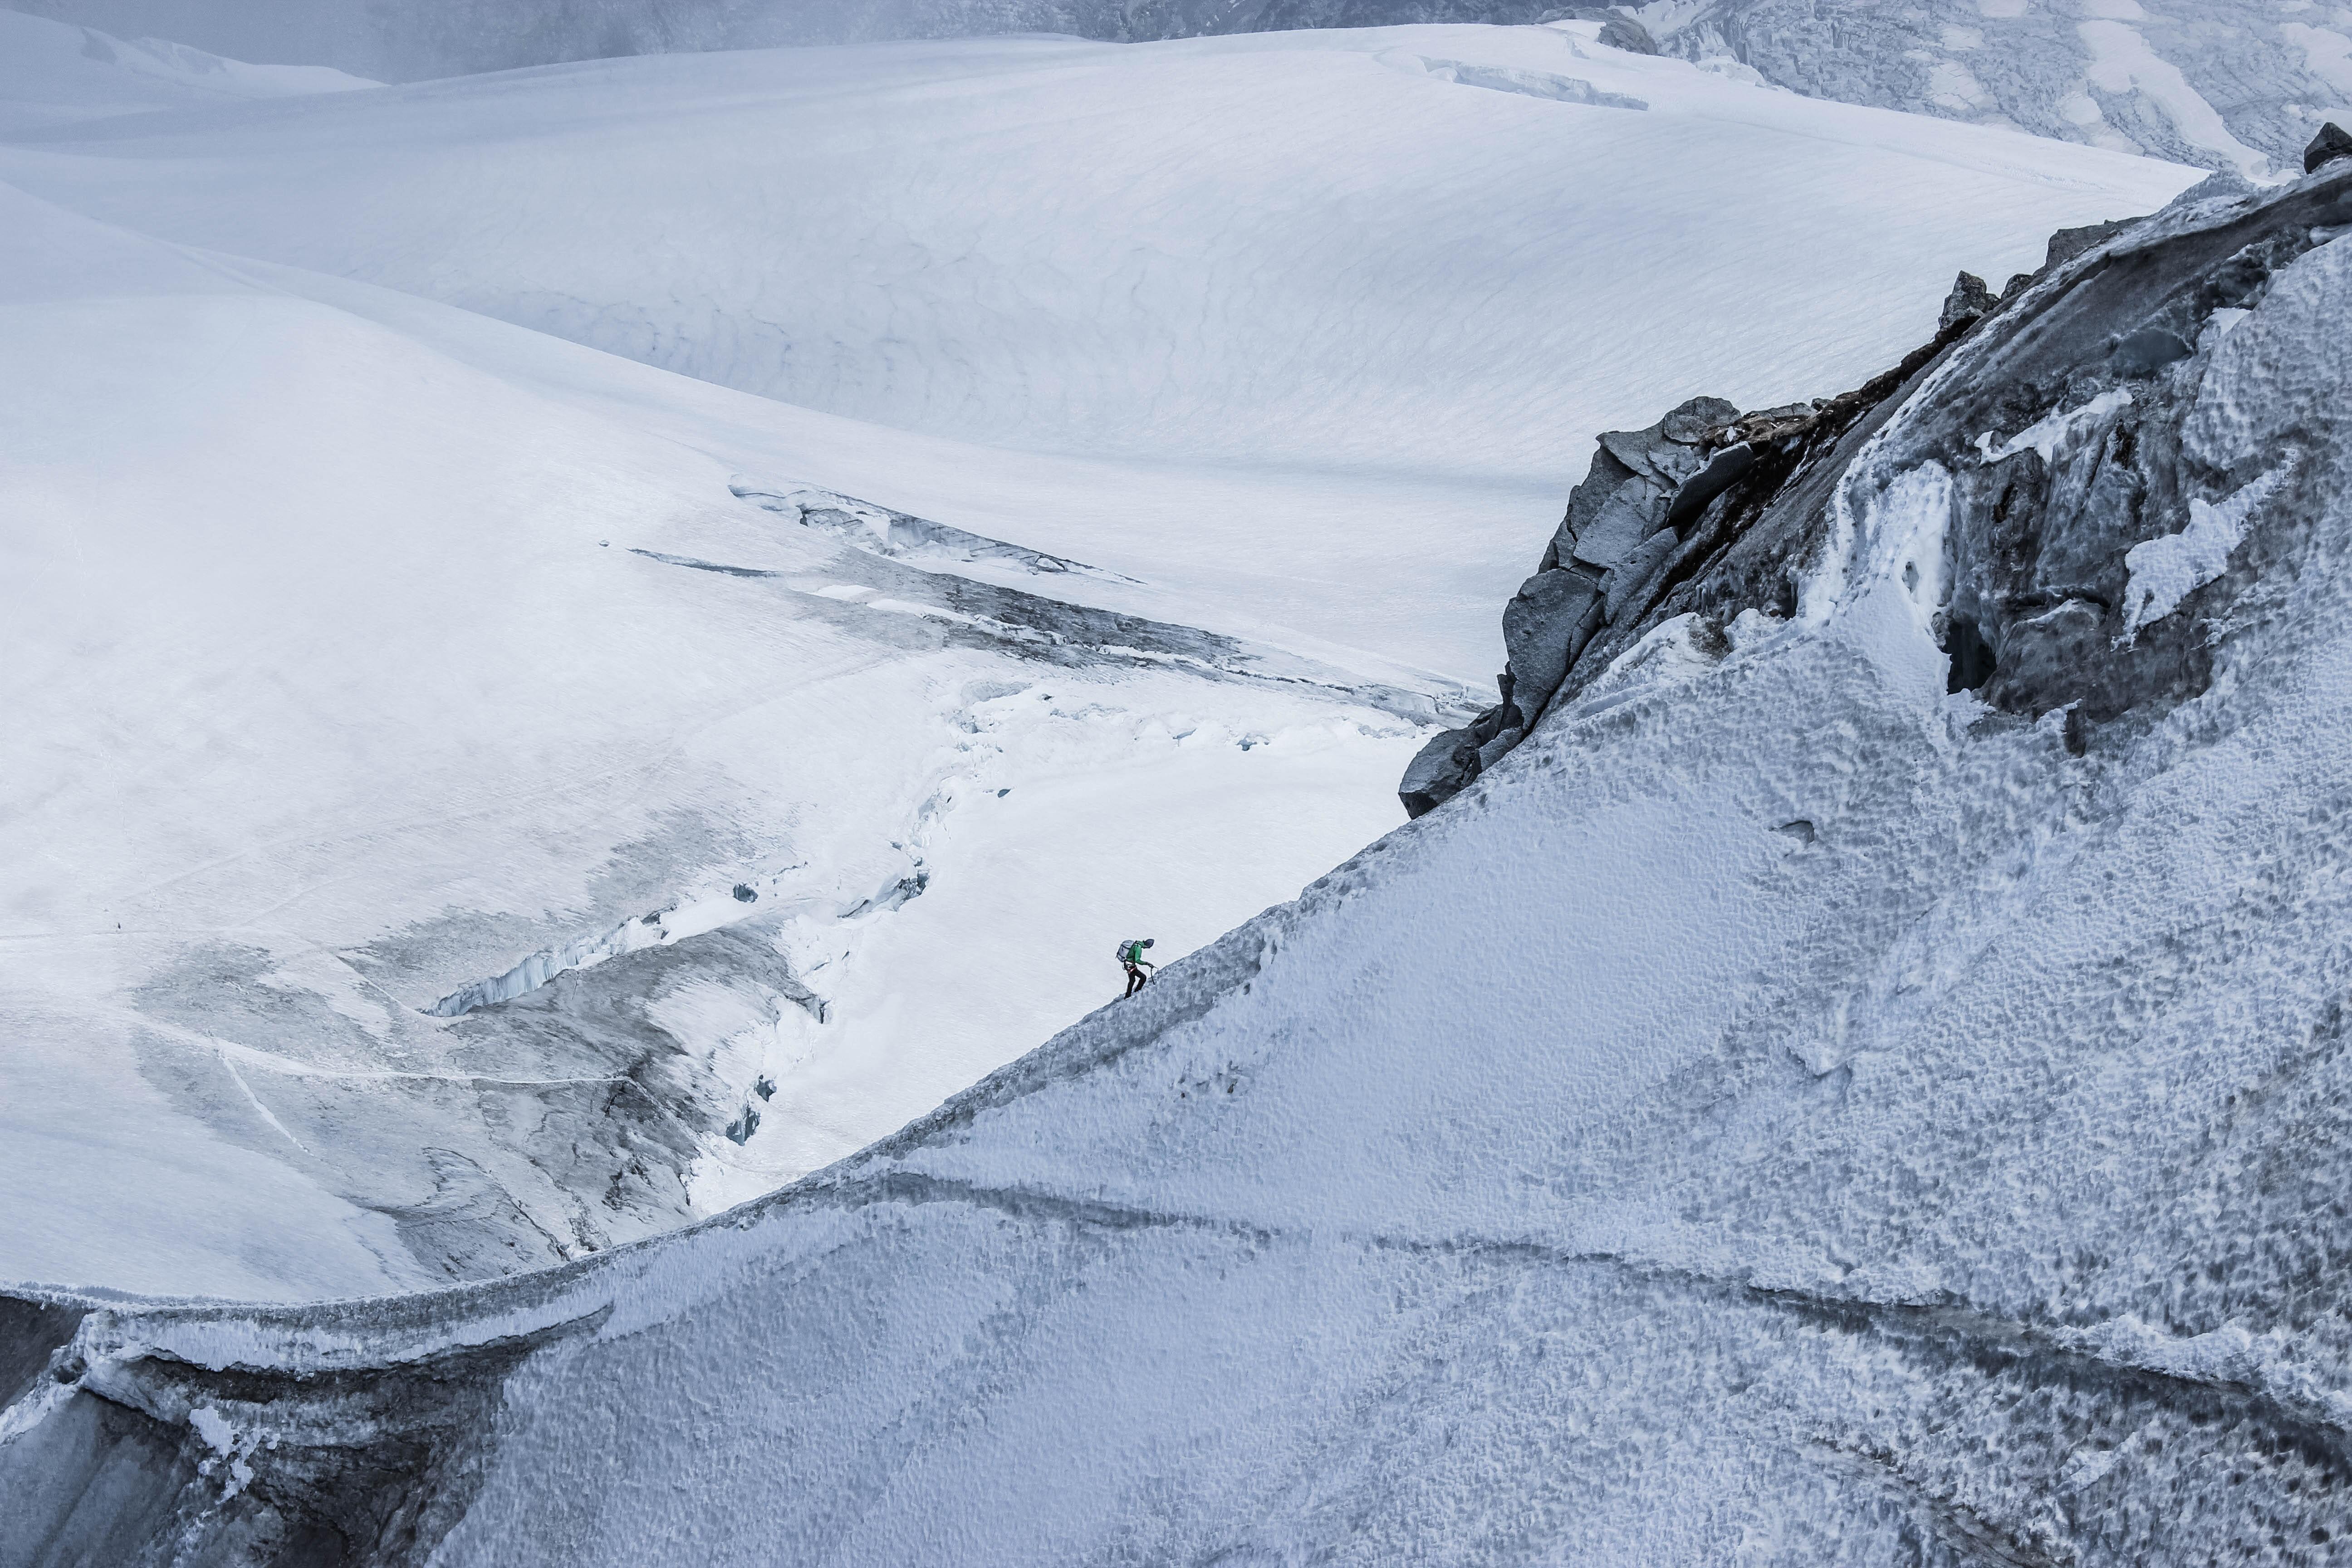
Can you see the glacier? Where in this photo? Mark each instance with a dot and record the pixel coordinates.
(584, 643)
(2235, 84)
(1812, 1101)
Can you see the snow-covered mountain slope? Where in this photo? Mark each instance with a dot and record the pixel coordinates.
(1222, 266)
(1795, 1109)
(372, 659)
(2223, 83)
(2229, 84)
(52, 73)
(357, 675)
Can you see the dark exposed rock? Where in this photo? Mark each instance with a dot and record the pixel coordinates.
(1617, 30)
(1633, 529)
(2069, 243)
(1545, 625)
(365, 1467)
(1971, 656)
(1968, 300)
(30, 1333)
(2332, 142)
(1626, 516)
(1613, 546)
(1621, 32)
(2150, 350)
(1693, 424)
(1440, 770)
(1723, 470)
(1629, 576)
(2060, 436)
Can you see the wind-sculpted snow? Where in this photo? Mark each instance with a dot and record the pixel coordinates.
(1795, 1109)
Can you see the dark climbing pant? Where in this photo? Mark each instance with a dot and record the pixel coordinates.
(1134, 979)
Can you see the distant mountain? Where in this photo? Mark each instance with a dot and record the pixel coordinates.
(2220, 84)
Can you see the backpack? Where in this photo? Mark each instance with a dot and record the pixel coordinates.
(1130, 952)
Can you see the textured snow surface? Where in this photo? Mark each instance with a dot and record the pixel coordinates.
(1596, 1170)
(375, 653)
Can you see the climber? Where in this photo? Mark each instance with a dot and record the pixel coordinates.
(1130, 954)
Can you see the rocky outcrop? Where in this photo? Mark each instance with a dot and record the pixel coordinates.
(1952, 1173)
(2219, 83)
(1617, 30)
(1968, 300)
(1621, 530)
(1657, 506)
(2332, 142)
(2085, 517)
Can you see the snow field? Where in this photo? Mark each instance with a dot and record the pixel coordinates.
(381, 615)
(1594, 1170)
(1293, 254)
(1136, 834)
(368, 661)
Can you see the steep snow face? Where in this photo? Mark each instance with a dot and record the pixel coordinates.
(2229, 84)
(565, 798)
(1789, 1113)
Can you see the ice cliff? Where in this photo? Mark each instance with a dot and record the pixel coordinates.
(1862, 1081)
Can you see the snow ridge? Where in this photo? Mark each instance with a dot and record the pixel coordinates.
(1598, 1168)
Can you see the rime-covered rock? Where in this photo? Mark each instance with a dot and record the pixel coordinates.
(2070, 444)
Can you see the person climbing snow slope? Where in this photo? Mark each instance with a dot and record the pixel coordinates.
(1131, 953)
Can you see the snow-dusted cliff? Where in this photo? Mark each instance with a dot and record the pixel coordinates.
(2230, 84)
(1844, 1090)
(1711, 509)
